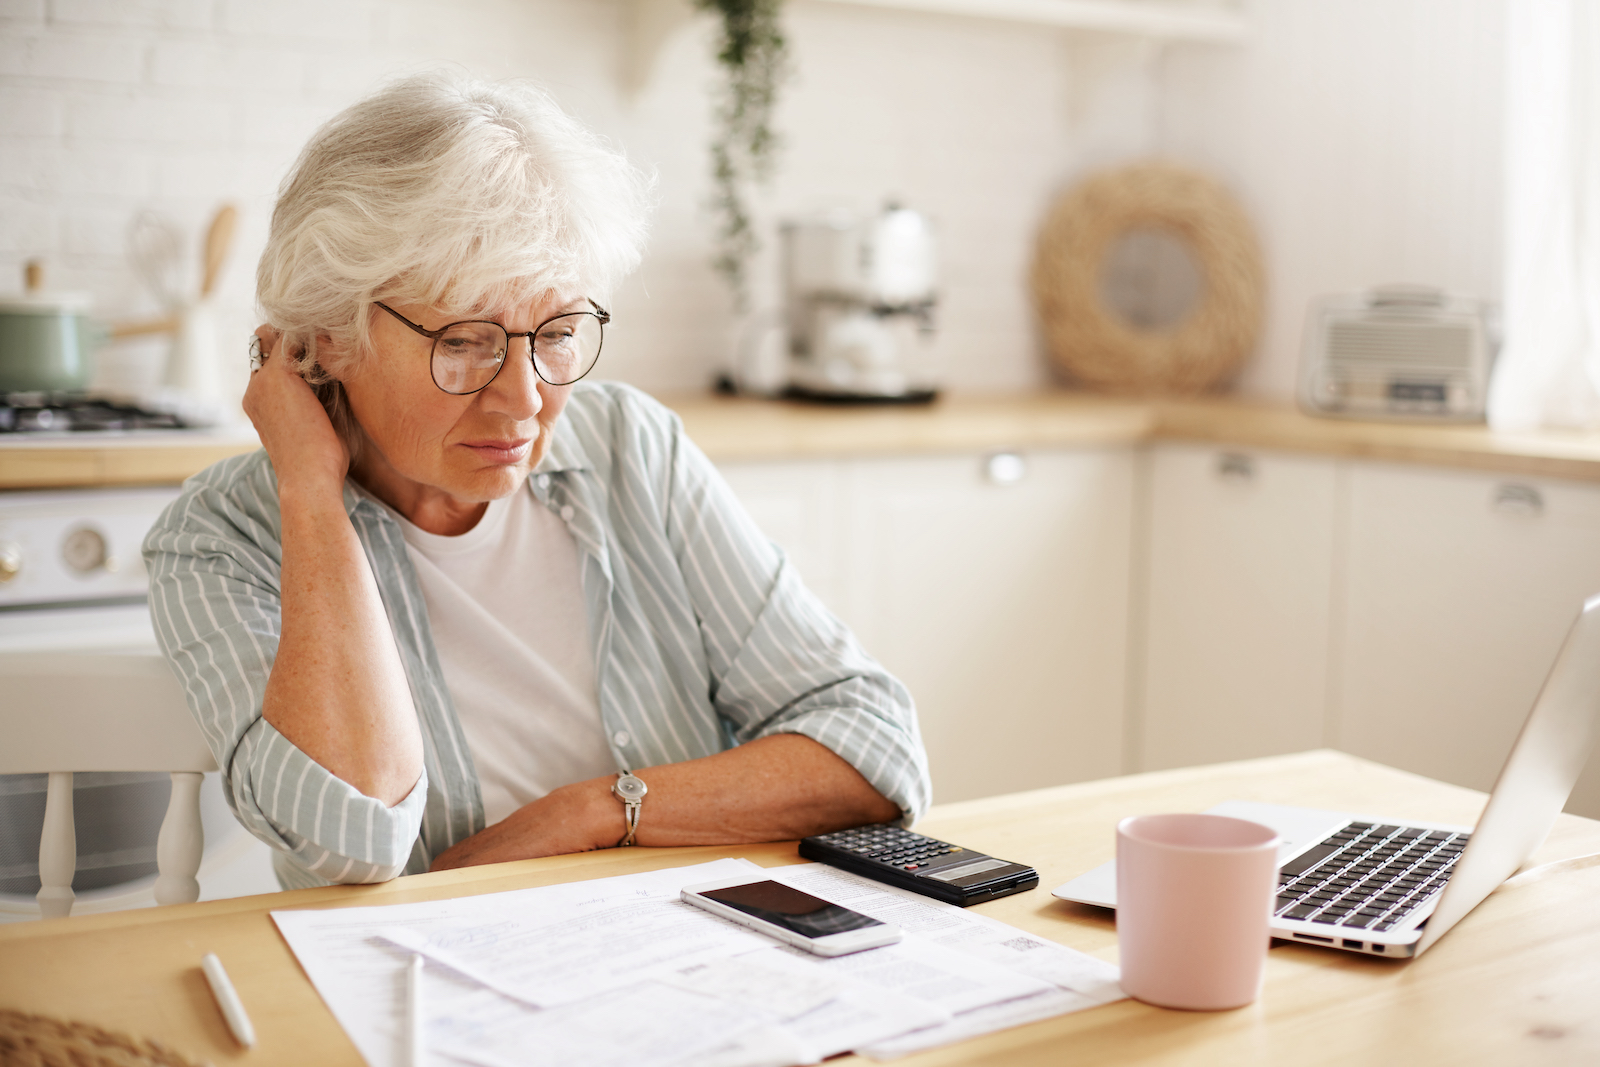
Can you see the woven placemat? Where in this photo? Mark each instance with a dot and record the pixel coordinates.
(40, 1041)
(1091, 342)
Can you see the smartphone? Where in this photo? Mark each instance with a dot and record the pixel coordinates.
(792, 916)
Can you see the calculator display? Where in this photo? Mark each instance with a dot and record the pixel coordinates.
(966, 870)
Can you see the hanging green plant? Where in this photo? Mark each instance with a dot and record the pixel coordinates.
(752, 53)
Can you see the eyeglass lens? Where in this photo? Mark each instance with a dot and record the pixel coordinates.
(467, 355)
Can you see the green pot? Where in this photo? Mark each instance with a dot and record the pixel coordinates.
(46, 344)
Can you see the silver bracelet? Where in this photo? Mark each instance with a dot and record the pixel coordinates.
(630, 789)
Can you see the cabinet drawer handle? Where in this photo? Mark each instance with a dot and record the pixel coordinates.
(1236, 467)
(1511, 498)
(1005, 468)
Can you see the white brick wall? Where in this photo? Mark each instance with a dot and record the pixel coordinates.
(1367, 137)
(109, 107)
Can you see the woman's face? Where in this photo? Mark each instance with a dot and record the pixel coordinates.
(438, 458)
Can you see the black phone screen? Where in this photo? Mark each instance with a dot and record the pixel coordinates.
(785, 906)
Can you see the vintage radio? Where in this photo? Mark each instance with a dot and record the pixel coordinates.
(1397, 352)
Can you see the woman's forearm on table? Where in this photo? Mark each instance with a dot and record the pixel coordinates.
(772, 789)
(338, 690)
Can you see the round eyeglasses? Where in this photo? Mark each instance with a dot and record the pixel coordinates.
(467, 355)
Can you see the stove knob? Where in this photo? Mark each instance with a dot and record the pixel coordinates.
(84, 550)
(10, 560)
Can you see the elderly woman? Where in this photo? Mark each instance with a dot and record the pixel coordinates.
(464, 607)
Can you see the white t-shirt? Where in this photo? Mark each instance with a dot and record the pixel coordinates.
(505, 602)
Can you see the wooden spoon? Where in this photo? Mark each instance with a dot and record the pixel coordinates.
(219, 236)
(218, 239)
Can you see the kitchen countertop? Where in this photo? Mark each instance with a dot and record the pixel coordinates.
(731, 429)
(159, 457)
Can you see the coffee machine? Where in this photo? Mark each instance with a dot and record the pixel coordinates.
(859, 300)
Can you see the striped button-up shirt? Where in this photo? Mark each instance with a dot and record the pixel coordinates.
(703, 635)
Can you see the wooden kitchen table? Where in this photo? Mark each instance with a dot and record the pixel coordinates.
(1518, 982)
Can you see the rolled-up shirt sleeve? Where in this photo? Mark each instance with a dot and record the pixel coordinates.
(213, 560)
(779, 660)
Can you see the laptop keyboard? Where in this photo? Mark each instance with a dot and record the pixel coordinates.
(1367, 876)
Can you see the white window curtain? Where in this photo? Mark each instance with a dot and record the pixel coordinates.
(1548, 373)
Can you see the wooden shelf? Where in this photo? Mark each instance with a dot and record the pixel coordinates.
(1163, 19)
(648, 24)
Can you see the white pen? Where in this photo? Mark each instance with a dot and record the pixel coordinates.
(415, 1054)
(228, 1000)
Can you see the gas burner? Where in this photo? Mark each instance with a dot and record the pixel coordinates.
(55, 413)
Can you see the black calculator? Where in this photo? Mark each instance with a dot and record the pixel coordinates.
(921, 864)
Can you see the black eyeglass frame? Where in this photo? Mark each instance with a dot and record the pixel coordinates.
(433, 335)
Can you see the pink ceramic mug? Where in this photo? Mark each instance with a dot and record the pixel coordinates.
(1194, 909)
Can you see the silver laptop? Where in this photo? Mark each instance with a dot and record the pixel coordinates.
(1392, 887)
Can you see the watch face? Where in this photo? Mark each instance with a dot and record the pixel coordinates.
(629, 788)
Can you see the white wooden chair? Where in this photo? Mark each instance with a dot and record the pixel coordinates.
(63, 712)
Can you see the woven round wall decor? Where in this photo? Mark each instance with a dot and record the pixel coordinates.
(1100, 347)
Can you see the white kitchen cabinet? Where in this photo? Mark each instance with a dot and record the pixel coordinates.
(1239, 578)
(1284, 602)
(1001, 603)
(1458, 589)
(1004, 608)
(797, 505)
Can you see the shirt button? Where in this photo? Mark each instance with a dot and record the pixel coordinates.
(544, 481)
(621, 738)
(566, 513)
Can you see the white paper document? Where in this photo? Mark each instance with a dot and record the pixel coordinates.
(648, 1025)
(861, 1012)
(1067, 980)
(927, 971)
(357, 968)
(982, 1021)
(820, 1013)
(621, 971)
(761, 980)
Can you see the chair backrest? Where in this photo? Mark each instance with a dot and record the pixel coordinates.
(62, 712)
(95, 711)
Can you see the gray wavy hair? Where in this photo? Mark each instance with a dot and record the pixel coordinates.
(447, 190)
